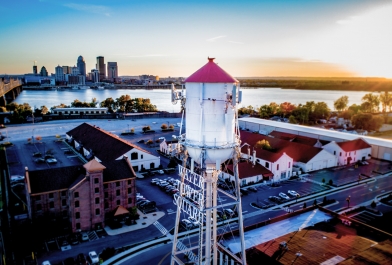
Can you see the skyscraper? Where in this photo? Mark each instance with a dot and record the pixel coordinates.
(112, 71)
(59, 73)
(101, 68)
(95, 75)
(81, 65)
(43, 71)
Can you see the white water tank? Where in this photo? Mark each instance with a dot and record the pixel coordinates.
(211, 99)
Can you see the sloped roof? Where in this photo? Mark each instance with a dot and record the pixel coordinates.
(247, 169)
(55, 178)
(297, 138)
(298, 152)
(117, 170)
(93, 165)
(354, 145)
(120, 210)
(104, 145)
(211, 73)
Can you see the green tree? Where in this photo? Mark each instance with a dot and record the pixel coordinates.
(355, 108)
(292, 119)
(320, 111)
(264, 144)
(346, 114)
(371, 101)
(110, 104)
(341, 103)
(367, 121)
(386, 101)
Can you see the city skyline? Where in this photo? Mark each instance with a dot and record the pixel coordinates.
(172, 38)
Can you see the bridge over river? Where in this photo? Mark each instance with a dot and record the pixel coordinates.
(9, 91)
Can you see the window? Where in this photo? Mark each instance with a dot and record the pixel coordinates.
(51, 195)
(63, 193)
(118, 184)
(334, 152)
(117, 192)
(105, 186)
(39, 207)
(129, 190)
(96, 200)
(76, 204)
(266, 164)
(141, 156)
(129, 200)
(289, 164)
(340, 154)
(277, 166)
(106, 205)
(96, 180)
(106, 194)
(77, 215)
(51, 205)
(133, 156)
(96, 190)
(63, 202)
(97, 211)
(129, 181)
(78, 226)
(76, 194)
(118, 202)
(38, 198)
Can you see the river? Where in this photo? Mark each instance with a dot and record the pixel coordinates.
(161, 97)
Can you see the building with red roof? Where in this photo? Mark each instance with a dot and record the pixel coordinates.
(306, 157)
(249, 173)
(350, 151)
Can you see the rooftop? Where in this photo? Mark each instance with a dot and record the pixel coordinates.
(211, 73)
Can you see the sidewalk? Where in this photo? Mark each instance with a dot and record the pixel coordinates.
(145, 221)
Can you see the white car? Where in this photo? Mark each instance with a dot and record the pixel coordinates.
(193, 221)
(293, 193)
(17, 178)
(284, 196)
(161, 138)
(161, 172)
(94, 257)
(46, 262)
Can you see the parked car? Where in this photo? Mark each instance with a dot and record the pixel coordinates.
(94, 257)
(84, 237)
(284, 196)
(274, 198)
(51, 161)
(229, 213)
(39, 160)
(37, 154)
(161, 172)
(254, 189)
(193, 221)
(293, 193)
(186, 224)
(73, 239)
(46, 262)
(141, 141)
(81, 259)
(17, 178)
(244, 192)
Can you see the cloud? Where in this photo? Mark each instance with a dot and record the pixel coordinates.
(103, 10)
(236, 42)
(148, 55)
(215, 38)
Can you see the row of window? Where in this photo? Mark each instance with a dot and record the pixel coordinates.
(77, 204)
(81, 112)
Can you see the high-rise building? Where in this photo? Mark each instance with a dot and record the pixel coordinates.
(43, 71)
(59, 73)
(35, 70)
(74, 71)
(81, 65)
(95, 75)
(112, 71)
(101, 68)
(66, 70)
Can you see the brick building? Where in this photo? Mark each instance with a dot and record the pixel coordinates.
(85, 195)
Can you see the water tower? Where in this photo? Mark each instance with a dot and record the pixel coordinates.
(211, 138)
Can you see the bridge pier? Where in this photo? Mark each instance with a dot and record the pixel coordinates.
(9, 91)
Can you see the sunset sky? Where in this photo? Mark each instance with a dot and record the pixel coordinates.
(174, 38)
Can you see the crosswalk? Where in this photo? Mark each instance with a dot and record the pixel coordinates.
(191, 255)
(161, 228)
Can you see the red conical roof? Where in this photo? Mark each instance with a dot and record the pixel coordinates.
(210, 73)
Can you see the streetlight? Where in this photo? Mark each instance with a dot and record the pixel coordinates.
(298, 254)
(32, 137)
(348, 201)
(128, 127)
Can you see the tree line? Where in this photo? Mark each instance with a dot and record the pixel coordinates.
(361, 116)
(123, 104)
